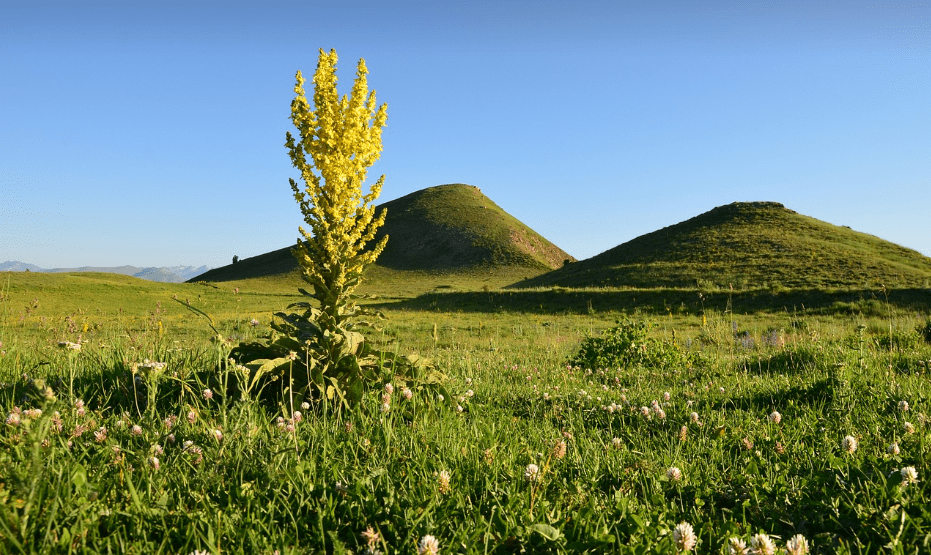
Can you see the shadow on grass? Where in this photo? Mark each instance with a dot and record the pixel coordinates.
(664, 301)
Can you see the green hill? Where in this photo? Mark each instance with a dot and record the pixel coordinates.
(451, 230)
(748, 245)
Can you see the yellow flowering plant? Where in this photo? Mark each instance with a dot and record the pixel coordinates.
(318, 349)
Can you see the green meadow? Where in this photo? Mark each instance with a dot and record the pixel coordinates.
(717, 416)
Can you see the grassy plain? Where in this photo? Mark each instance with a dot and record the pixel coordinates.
(147, 464)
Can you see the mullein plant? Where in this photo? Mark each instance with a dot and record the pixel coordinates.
(318, 351)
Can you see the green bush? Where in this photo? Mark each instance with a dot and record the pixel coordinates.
(925, 330)
(628, 344)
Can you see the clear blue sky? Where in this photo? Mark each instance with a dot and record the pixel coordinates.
(151, 133)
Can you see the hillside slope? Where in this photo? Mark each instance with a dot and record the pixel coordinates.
(444, 229)
(748, 245)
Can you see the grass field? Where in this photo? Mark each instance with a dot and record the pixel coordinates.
(777, 418)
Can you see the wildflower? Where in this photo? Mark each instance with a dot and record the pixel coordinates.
(191, 416)
(488, 456)
(470, 393)
(32, 414)
(903, 405)
(341, 487)
(747, 443)
(170, 438)
(441, 398)
(660, 413)
(154, 462)
(797, 545)
(208, 394)
(674, 474)
(761, 544)
(736, 546)
(385, 407)
(616, 442)
(13, 419)
(137, 430)
(775, 417)
(693, 418)
(645, 411)
(56, 421)
(305, 405)
(683, 433)
(559, 451)
(101, 435)
(443, 481)
(79, 407)
(849, 444)
(428, 546)
(218, 435)
(893, 449)
(780, 448)
(407, 393)
(532, 473)
(389, 389)
(170, 422)
(253, 322)
(909, 428)
(684, 537)
(157, 449)
(468, 381)
(721, 389)
(297, 416)
(371, 537)
(459, 408)
(666, 396)
(909, 475)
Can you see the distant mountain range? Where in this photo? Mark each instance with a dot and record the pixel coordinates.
(167, 274)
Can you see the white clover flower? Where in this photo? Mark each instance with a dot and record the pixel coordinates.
(389, 389)
(660, 413)
(616, 443)
(385, 407)
(849, 444)
(797, 545)
(903, 405)
(100, 435)
(909, 428)
(693, 418)
(157, 449)
(459, 408)
(684, 537)
(305, 405)
(441, 398)
(674, 474)
(208, 394)
(443, 481)
(762, 544)
(407, 393)
(909, 475)
(13, 419)
(736, 546)
(893, 449)
(191, 416)
(775, 417)
(429, 545)
(666, 396)
(137, 430)
(470, 393)
(153, 461)
(645, 411)
(218, 435)
(532, 473)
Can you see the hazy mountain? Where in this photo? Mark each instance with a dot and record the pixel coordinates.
(170, 274)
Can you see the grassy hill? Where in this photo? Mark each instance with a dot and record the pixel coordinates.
(750, 245)
(449, 231)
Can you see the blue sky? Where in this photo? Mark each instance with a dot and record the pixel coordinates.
(151, 133)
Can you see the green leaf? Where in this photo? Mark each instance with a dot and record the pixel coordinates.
(546, 531)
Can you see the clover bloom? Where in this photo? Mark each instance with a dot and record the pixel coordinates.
(761, 544)
(736, 546)
(443, 480)
(674, 474)
(429, 545)
(909, 475)
(532, 473)
(893, 449)
(775, 417)
(797, 545)
(684, 537)
(849, 444)
(903, 405)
